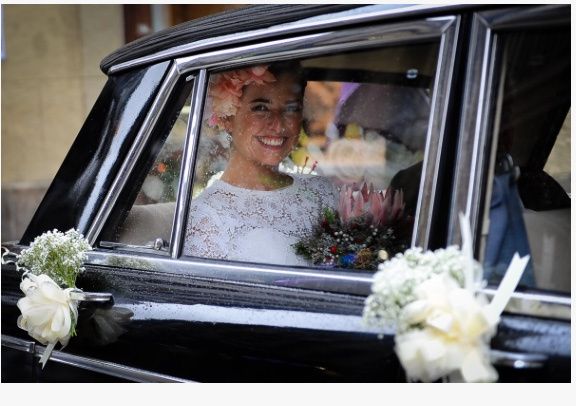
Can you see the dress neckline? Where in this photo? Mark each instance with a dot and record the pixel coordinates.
(229, 186)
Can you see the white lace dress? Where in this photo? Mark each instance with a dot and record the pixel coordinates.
(229, 222)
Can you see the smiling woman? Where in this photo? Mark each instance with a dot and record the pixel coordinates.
(265, 126)
(253, 204)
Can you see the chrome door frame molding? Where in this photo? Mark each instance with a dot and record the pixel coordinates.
(366, 14)
(350, 283)
(320, 43)
(142, 137)
(444, 29)
(188, 163)
(475, 134)
(90, 364)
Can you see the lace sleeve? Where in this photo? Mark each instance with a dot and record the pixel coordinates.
(205, 235)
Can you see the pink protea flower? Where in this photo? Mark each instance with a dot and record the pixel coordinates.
(226, 89)
(382, 207)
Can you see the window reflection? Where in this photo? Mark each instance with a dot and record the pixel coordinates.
(149, 221)
(530, 204)
(270, 162)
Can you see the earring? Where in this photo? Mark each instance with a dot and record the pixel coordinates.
(226, 140)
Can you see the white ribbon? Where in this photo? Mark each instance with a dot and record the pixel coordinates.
(454, 325)
(47, 353)
(507, 285)
(467, 250)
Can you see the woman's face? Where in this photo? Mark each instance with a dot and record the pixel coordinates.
(267, 123)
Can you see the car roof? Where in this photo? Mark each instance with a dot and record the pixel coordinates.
(216, 25)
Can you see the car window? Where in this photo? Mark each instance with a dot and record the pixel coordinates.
(529, 209)
(286, 143)
(148, 222)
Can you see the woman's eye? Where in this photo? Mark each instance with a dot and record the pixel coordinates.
(293, 108)
(259, 107)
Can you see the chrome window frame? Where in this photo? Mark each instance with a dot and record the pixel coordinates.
(142, 137)
(475, 157)
(444, 29)
(441, 29)
(377, 13)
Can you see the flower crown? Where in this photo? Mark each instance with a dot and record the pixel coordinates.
(226, 89)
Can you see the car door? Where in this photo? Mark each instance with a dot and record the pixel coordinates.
(513, 179)
(177, 317)
(189, 318)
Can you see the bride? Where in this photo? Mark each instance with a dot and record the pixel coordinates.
(255, 212)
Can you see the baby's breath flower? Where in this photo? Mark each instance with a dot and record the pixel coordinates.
(394, 283)
(58, 255)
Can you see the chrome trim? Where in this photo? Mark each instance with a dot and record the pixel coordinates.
(90, 364)
(472, 132)
(316, 44)
(321, 22)
(436, 133)
(344, 282)
(536, 304)
(517, 360)
(537, 16)
(352, 283)
(94, 297)
(131, 158)
(18, 344)
(107, 368)
(188, 164)
(475, 128)
(443, 29)
(476, 137)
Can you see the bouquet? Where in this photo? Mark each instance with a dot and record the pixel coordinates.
(50, 305)
(369, 226)
(443, 322)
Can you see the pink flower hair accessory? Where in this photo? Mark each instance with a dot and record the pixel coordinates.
(226, 89)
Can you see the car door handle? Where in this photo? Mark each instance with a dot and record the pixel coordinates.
(93, 297)
(517, 360)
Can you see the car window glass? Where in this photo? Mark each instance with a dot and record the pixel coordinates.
(149, 220)
(271, 160)
(530, 203)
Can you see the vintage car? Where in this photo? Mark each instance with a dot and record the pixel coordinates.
(464, 108)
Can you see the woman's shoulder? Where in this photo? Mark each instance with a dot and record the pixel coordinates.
(315, 181)
(207, 200)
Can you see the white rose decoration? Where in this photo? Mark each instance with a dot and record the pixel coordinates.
(48, 311)
(453, 335)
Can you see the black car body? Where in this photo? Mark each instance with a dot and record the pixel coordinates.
(192, 319)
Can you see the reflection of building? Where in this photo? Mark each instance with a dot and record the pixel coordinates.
(50, 80)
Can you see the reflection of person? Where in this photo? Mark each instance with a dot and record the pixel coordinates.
(254, 212)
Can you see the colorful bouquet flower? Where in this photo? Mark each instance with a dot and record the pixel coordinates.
(368, 226)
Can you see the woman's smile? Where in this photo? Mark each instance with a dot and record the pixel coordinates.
(266, 125)
(272, 142)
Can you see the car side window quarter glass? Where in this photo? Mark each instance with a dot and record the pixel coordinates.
(271, 161)
(148, 221)
(529, 209)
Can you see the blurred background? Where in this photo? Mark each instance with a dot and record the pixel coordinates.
(50, 78)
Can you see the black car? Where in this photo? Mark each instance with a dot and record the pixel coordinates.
(464, 108)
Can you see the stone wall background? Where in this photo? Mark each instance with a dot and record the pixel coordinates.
(50, 80)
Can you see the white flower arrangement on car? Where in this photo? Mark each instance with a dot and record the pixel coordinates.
(50, 305)
(443, 322)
